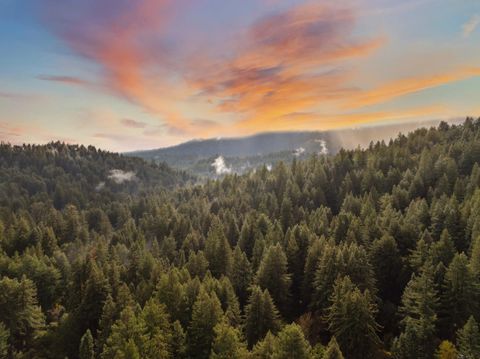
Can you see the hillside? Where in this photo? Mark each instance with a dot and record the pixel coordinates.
(218, 156)
(368, 253)
(71, 174)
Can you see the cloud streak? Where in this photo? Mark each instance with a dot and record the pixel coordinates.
(471, 25)
(402, 87)
(288, 69)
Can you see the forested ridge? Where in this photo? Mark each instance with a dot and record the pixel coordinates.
(371, 253)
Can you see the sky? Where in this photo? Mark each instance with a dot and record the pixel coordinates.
(126, 75)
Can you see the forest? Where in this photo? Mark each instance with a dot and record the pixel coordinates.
(368, 253)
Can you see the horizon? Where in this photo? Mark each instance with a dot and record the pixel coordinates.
(126, 76)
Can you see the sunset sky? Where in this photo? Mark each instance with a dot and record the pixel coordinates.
(125, 75)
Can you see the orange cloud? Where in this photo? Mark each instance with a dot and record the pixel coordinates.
(117, 35)
(407, 86)
(288, 62)
(277, 74)
(70, 80)
(316, 121)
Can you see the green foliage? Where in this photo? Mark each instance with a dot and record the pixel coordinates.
(468, 340)
(461, 293)
(446, 350)
(86, 346)
(261, 316)
(207, 313)
(351, 319)
(333, 350)
(227, 343)
(419, 308)
(20, 312)
(4, 336)
(291, 343)
(272, 275)
(153, 266)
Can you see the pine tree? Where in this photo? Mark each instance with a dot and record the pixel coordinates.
(264, 349)
(475, 257)
(179, 344)
(311, 263)
(20, 312)
(140, 333)
(461, 294)
(241, 275)
(468, 340)
(207, 312)
(126, 338)
(291, 343)
(446, 350)
(218, 250)
(419, 308)
(443, 250)
(272, 275)
(351, 319)
(386, 262)
(227, 343)
(261, 316)
(4, 336)
(333, 350)
(86, 346)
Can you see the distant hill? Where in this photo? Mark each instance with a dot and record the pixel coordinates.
(72, 174)
(217, 156)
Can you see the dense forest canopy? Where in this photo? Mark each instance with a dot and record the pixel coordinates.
(370, 253)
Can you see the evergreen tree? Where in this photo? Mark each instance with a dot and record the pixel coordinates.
(20, 312)
(218, 251)
(444, 250)
(291, 343)
(419, 309)
(179, 344)
(86, 346)
(460, 296)
(272, 275)
(261, 316)
(227, 343)
(4, 336)
(333, 350)
(468, 340)
(386, 263)
(241, 275)
(351, 319)
(446, 350)
(475, 258)
(264, 349)
(207, 312)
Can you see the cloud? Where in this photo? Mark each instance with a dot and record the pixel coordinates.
(299, 151)
(127, 122)
(287, 62)
(290, 69)
(70, 80)
(119, 176)
(220, 167)
(323, 147)
(407, 86)
(471, 25)
(123, 38)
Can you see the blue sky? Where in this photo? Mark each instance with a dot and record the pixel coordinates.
(126, 75)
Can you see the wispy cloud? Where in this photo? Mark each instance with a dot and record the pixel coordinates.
(287, 62)
(128, 122)
(402, 87)
(302, 59)
(471, 25)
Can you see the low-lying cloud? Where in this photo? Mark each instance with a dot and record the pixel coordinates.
(220, 166)
(120, 176)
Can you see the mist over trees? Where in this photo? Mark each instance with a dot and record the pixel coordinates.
(370, 253)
